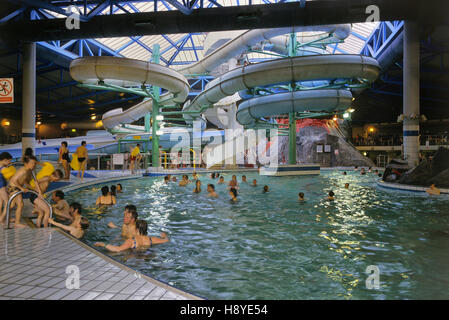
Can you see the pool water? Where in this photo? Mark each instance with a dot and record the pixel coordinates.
(270, 246)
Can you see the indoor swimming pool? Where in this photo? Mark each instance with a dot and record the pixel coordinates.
(271, 246)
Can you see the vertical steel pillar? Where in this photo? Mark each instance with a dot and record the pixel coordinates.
(155, 113)
(29, 96)
(292, 115)
(411, 92)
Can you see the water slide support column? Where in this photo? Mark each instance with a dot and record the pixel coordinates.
(292, 115)
(29, 96)
(154, 114)
(411, 92)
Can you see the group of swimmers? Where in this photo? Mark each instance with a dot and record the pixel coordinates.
(233, 184)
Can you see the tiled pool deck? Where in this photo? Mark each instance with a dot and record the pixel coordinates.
(33, 265)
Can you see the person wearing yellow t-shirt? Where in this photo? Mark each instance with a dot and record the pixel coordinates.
(135, 158)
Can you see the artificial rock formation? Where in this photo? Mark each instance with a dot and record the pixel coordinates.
(309, 138)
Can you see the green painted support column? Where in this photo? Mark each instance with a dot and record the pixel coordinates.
(292, 115)
(147, 120)
(155, 113)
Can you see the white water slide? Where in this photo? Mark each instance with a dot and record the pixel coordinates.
(130, 72)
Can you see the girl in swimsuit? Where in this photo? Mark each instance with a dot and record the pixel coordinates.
(65, 159)
(140, 240)
(106, 198)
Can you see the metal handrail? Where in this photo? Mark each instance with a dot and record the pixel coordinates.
(8, 206)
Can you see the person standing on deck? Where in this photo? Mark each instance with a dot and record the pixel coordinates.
(82, 154)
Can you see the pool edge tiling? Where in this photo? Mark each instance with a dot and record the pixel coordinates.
(37, 263)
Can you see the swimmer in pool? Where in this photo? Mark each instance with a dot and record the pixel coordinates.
(195, 176)
(113, 191)
(301, 196)
(185, 181)
(233, 194)
(61, 207)
(265, 189)
(129, 222)
(174, 179)
(141, 239)
(331, 196)
(244, 178)
(211, 190)
(119, 188)
(363, 172)
(166, 179)
(434, 191)
(233, 183)
(254, 183)
(221, 180)
(78, 228)
(212, 175)
(197, 187)
(106, 198)
(344, 173)
(346, 185)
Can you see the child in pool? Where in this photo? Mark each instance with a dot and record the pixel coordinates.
(197, 187)
(301, 196)
(331, 196)
(76, 229)
(233, 194)
(211, 190)
(141, 239)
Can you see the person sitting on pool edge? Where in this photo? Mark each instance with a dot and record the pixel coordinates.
(233, 194)
(197, 187)
(265, 189)
(331, 196)
(433, 191)
(61, 207)
(76, 229)
(185, 181)
(211, 190)
(106, 199)
(301, 196)
(129, 222)
(141, 239)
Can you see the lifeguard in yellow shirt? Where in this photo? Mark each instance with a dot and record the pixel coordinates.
(135, 158)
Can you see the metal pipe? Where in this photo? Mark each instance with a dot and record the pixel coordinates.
(8, 206)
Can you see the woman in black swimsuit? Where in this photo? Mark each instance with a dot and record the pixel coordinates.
(65, 159)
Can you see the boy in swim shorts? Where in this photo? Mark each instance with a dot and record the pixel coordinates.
(82, 154)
